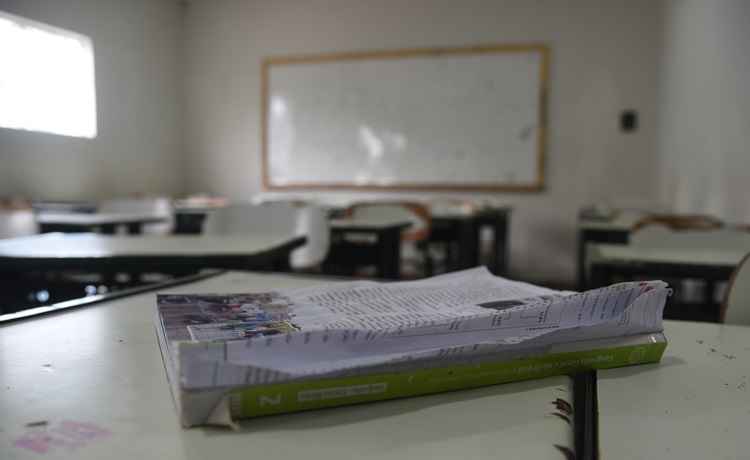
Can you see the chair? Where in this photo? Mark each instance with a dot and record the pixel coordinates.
(679, 222)
(17, 222)
(415, 255)
(277, 218)
(736, 306)
(157, 206)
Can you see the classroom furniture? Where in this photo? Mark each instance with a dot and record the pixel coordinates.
(415, 256)
(58, 252)
(613, 229)
(694, 404)
(735, 308)
(680, 222)
(619, 226)
(377, 120)
(381, 246)
(156, 206)
(17, 222)
(276, 218)
(189, 215)
(189, 221)
(106, 223)
(455, 228)
(610, 262)
(460, 233)
(64, 206)
(658, 237)
(89, 383)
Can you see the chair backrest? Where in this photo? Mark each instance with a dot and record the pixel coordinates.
(156, 206)
(277, 218)
(17, 222)
(680, 222)
(417, 214)
(736, 306)
(452, 206)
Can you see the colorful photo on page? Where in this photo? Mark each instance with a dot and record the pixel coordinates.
(222, 317)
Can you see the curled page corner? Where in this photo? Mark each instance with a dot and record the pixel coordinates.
(221, 415)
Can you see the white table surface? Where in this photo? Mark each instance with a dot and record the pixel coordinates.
(672, 255)
(84, 219)
(367, 223)
(101, 366)
(89, 245)
(623, 221)
(694, 404)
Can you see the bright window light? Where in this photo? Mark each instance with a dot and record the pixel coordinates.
(47, 80)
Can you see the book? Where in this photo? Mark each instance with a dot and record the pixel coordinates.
(231, 356)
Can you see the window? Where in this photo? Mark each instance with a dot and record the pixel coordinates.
(47, 80)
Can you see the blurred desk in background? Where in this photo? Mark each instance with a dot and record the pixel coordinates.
(107, 223)
(358, 242)
(461, 234)
(141, 254)
(613, 263)
(614, 228)
(64, 206)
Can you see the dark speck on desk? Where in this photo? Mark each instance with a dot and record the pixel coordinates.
(728, 356)
(39, 423)
(700, 341)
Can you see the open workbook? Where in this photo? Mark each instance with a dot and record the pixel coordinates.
(234, 355)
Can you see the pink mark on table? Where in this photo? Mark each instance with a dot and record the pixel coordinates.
(67, 434)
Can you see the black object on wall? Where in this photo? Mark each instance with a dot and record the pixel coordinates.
(628, 120)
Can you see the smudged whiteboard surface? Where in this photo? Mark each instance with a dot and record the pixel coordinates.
(448, 119)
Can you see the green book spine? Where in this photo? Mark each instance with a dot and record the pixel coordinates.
(317, 394)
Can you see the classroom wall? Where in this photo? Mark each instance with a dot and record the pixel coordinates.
(604, 60)
(138, 148)
(704, 135)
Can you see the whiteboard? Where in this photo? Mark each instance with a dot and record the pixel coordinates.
(443, 119)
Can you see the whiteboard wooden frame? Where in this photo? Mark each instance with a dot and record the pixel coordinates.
(544, 54)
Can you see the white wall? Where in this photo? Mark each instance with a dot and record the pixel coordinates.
(704, 135)
(604, 59)
(138, 149)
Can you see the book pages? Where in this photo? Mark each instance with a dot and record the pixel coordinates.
(228, 340)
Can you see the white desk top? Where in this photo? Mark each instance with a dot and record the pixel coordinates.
(622, 221)
(695, 404)
(101, 366)
(368, 223)
(723, 257)
(86, 219)
(89, 245)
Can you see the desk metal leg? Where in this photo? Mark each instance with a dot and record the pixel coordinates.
(500, 244)
(134, 228)
(468, 251)
(189, 223)
(283, 263)
(389, 254)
